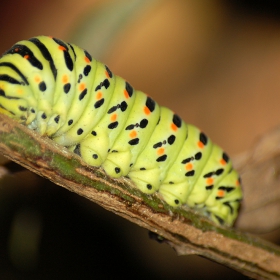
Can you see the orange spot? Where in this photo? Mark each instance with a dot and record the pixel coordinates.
(125, 94)
(82, 87)
(19, 91)
(87, 60)
(209, 181)
(133, 134)
(147, 110)
(26, 56)
(160, 151)
(37, 79)
(16, 49)
(174, 127)
(65, 79)
(223, 162)
(237, 183)
(221, 193)
(61, 48)
(107, 74)
(113, 117)
(189, 166)
(200, 144)
(99, 95)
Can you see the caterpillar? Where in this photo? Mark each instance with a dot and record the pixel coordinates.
(59, 90)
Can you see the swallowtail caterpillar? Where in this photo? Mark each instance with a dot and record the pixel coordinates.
(59, 90)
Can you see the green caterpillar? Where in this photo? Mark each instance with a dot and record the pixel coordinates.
(57, 89)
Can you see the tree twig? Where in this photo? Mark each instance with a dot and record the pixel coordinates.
(184, 230)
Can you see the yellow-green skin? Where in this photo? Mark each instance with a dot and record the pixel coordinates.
(57, 89)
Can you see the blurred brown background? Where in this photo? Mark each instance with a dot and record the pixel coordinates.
(216, 63)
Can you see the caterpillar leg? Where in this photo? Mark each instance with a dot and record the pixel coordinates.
(117, 166)
(93, 155)
(146, 180)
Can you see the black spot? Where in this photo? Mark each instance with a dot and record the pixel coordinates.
(79, 78)
(44, 116)
(209, 188)
(42, 86)
(130, 164)
(32, 111)
(70, 122)
(151, 104)
(198, 156)
(144, 123)
(190, 173)
(130, 127)
(93, 133)
(227, 189)
(106, 83)
(186, 160)
(171, 183)
(203, 138)
(87, 70)
(219, 171)
(142, 168)
(207, 175)
(149, 186)
(79, 131)
(2, 93)
(112, 109)
(171, 139)
(23, 109)
(99, 103)
(56, 119)
(176, 201)
(83, 94)
(177, 120)
(157, 145)
(95, 156)
(66, 88)
(109, 71)
(133, 142)
(117, 170)
(88, 55)
(77, 150)
(113, 125)
(129, 89)
(123, 106)
(225, 157)
(162, 158)
(67, 58)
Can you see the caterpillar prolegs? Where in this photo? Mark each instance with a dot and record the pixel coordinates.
(57, 89)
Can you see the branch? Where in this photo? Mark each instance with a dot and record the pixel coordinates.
(181, 228)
